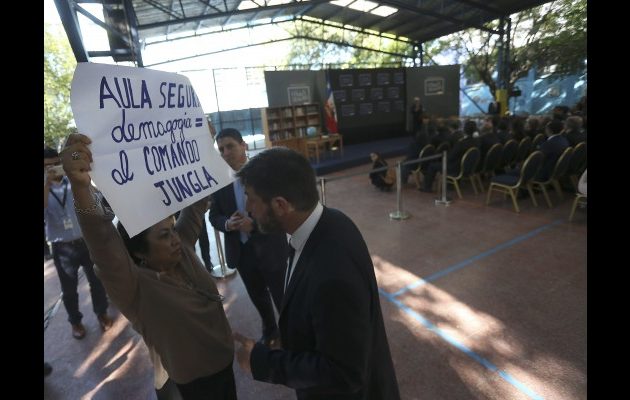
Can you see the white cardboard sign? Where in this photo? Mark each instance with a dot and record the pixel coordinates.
(151, 145)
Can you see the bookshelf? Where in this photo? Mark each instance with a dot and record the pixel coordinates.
(289, 125)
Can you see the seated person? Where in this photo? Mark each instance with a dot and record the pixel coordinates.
(384, 180)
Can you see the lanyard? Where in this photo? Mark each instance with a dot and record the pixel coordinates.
(65, 193)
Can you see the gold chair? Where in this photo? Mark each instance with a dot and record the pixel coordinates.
(538, 139)
(577, 164)
(579, 198)
(509, 184)
(559, 170)
(466, 170)
(490, 163)
(426, 151)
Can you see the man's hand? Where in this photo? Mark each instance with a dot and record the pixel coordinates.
(244, 352)
(245, 223)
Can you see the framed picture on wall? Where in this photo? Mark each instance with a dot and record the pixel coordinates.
(393, 92)
(358, 94)
(376, 94)
(365, 79)
(366, 108)
(434, 86)
(346, 80)
(340, 95)
(348, 110)
(382, 78)
(299, 95)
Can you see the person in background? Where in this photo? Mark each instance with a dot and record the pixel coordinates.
(204, 240)
(159, 284)
(383, 180)
(417, 115)
(334, 344)
(68, 247)
(259, 258)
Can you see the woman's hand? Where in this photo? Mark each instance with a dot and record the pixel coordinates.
(76, 158)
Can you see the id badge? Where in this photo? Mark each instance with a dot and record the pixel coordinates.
(67, 223)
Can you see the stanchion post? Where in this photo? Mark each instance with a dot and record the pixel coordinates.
(399, 213)
(221, 270)
(443, 200)
(322, 185)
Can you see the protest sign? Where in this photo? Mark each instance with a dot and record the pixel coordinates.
(151, 145)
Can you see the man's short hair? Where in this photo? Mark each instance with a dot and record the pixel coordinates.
(555, 126)
(230, 132)
(282, 172)
(49, 152)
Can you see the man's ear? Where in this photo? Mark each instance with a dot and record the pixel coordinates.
(281, 206)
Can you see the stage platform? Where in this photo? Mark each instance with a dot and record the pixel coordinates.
(359, 154)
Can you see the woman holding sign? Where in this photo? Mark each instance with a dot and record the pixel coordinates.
(158, 282)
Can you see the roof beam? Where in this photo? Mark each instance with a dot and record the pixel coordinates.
(103, 25)
(293, 4)
(481, 6)
(70, 23)
(160, 7)
(423, 11)
(132, 20)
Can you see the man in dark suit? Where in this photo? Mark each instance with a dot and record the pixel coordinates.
(454, 157)
(334, 344)
(259, 258)
(552, 148)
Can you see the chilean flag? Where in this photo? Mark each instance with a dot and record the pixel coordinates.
(330, 111)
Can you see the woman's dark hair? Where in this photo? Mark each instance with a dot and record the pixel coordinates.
(136, 244)
(282, 172)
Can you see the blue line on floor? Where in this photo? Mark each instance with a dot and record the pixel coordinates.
(478, 257)
(490, 366)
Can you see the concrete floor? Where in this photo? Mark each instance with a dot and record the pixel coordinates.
(479, 303)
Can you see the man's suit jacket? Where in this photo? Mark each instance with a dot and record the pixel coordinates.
(331, 325)
(552, 148)
(271, 249)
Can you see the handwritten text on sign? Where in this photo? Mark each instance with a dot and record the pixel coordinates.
(150, 141)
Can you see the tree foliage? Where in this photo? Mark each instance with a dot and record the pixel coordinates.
(317, 45)
(59, 65)
(550, 37)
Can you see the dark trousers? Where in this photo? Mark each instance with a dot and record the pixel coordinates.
(68, 256)
(258, 280)
(204, 246)
(220, 386)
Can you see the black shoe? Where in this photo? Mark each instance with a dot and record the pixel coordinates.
(47, 369)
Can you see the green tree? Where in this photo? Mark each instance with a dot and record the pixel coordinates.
(550, 38)
(59, 65)
(316, 45)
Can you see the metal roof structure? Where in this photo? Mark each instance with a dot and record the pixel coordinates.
(130, 23)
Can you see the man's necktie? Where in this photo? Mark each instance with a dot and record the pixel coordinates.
(291, 255)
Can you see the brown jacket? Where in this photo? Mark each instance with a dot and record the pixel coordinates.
(187, 327)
